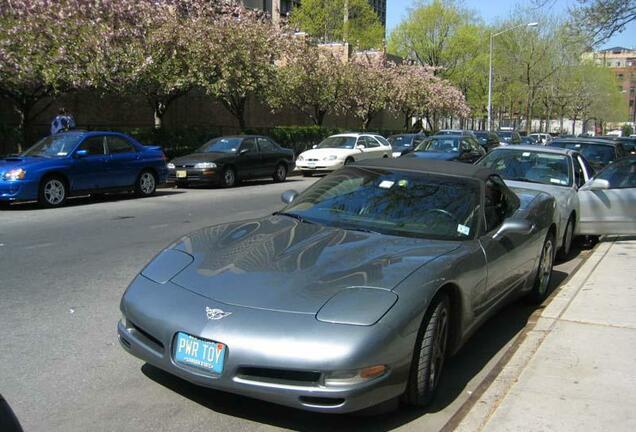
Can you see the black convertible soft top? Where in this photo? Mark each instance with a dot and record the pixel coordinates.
(456, 169)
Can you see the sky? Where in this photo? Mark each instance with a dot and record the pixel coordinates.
(493, 10)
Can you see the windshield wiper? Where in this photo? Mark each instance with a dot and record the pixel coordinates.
(294, 216)
(360, 229)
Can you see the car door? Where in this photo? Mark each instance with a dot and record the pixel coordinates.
(91, 164)
(373, 148)
(269, 155)
(248, 161)
(124, 161)
(608, 201)
(509, 260)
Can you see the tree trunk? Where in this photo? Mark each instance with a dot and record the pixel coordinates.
(319, 117)
(159, 111)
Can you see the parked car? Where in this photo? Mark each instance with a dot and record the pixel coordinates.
(488, 140)
(509, 137)
(598, 152)
(8, 420)
(448, 148)
(340, 150)
(402, 144)
(530, 140)
(227, 160)
(79, 163)
(559, 172)
(352, 295)
(542, 138)
(608, 201)
(629, 144)
(463, 132)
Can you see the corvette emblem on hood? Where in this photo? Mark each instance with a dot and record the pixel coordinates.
(216, 314)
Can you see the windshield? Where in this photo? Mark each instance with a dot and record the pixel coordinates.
(440, 145)
(401, 141)
(59, 145)
(598, 155)
(392, 202)
(530, 166)
(221, 145)
(338, 142)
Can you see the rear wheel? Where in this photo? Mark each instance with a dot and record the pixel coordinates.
(281, 173)
(568, 235)
(146, 184)
(544, 272)
(52, 192)
(229, 177)
(429, 354)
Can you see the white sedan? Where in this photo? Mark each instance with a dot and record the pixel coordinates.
(339, 150)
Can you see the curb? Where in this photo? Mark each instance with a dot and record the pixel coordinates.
(474, 414)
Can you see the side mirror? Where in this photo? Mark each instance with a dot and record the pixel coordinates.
(596, 184)
(514, 226)
(243, 151)
(81, 153)
(360, 147)
(288, 196)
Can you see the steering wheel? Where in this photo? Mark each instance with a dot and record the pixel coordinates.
(443, 212)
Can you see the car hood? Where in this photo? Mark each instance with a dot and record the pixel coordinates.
(12, 162)
(324, 152)
(434, 155)
(201, 157)
(279, 263)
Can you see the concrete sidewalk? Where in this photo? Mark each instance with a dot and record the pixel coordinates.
(576, 369)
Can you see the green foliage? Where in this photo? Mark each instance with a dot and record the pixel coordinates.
(627, 130)
(324, 19)
(599, 20)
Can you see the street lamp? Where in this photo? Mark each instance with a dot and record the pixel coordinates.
(492, 36)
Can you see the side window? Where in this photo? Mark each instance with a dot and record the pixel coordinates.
(250, 145)
(371, 142)
(361, 142)
(620, 175)
(93, 145)
(265, 145)
(494, 206)
(119, 145)
(382, 140)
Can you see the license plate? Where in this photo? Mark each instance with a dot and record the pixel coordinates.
(198, 353)
(182, 174)
(311, 165)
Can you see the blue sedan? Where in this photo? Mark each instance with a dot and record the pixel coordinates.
(81, 162)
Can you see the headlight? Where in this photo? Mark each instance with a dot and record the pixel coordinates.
(15, 174)
(300, 158)
(352, 377)
(170, 165)
(205, 165)
(330, 158)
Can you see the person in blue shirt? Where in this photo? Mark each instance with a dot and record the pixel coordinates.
(62, 122)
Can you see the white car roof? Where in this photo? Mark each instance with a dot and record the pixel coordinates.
(353, 134)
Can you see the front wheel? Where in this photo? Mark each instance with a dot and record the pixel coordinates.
(280, 174)
(229, 178)
(544, 272)
(429, 354)
(52, 192)
(146, 184)
(568, 235)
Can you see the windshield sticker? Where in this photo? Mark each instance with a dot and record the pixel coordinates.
(525, 154)
(403, 183)
(463, 229)
(557, 181)
(62, 153)
(386, 184)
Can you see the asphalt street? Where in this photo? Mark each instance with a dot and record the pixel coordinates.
(62, 274)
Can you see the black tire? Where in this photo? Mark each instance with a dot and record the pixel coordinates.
(429, 353)
(307, 174)
(4, 205)
(146, 184)
(229, 178)
(280, 174)
(53, 192)
(541, 285)
(349, 160)
(568, 237)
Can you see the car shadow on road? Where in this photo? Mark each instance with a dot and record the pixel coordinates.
(241, 184)
(489, 340)
(91, 199)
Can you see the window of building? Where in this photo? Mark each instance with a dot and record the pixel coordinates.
(621, 77)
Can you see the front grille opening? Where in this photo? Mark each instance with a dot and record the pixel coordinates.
(278, 376)
(146, 337)
(125, 342)
(321, 401)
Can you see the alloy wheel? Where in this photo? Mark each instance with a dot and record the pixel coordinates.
(147, 183)
(439, 348)
(545, 267)
(54, 192)
(229, 177)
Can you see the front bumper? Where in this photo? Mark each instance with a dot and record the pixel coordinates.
(18, 190)
(265, 340)
(320, 165)
(195, 176)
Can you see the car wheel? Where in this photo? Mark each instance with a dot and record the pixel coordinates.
(146, 184)
(5, 205)
(307, 174)
(429, 354)
(544, 272)
(281, 173)
(348, 161)
(52, 192)
(568, 235)
(229, 177)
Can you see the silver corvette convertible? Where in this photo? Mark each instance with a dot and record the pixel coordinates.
(354, 294)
